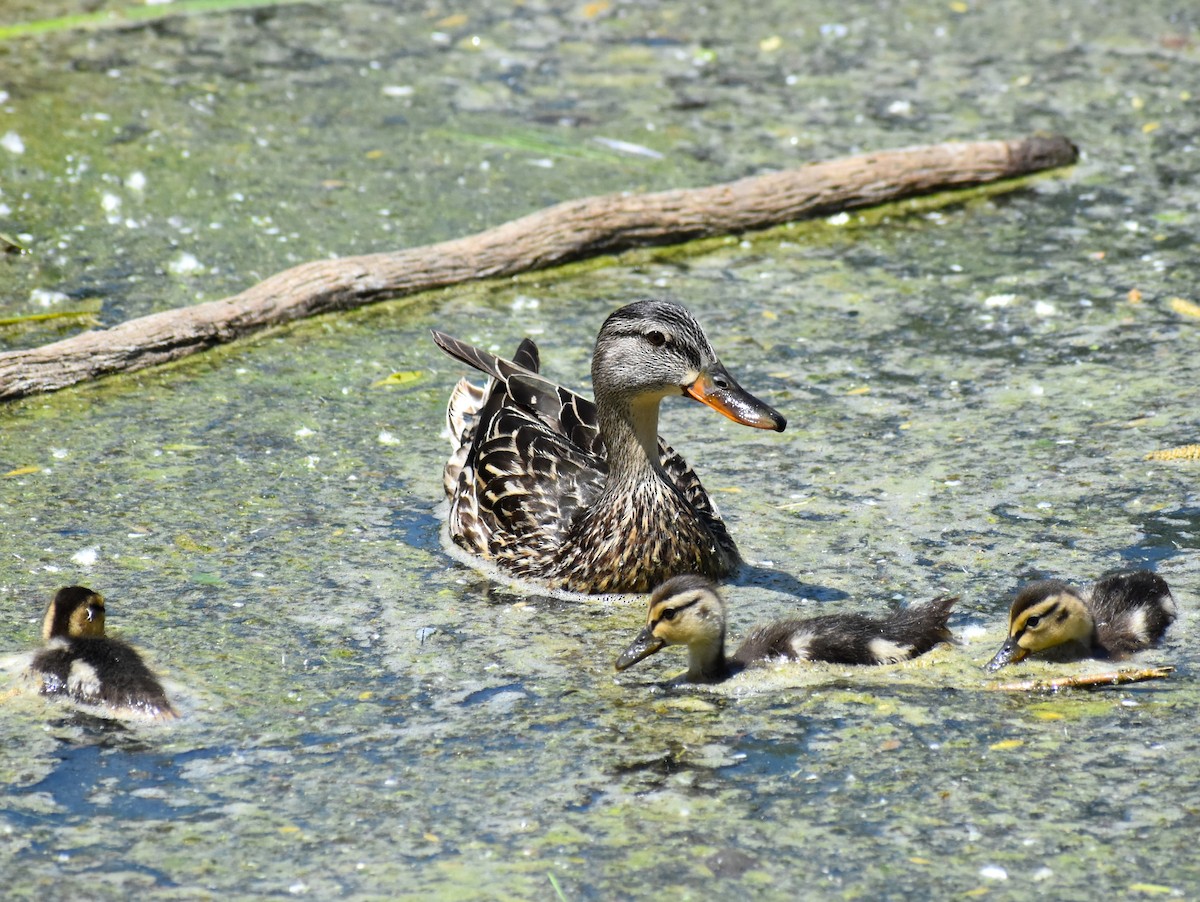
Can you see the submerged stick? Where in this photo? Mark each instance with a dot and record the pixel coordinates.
(559, 234)
(1087, 681)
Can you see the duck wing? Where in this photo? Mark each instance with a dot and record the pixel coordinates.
(522, 480)
(466, 399)
(688, 483)
(528, 456)
(526, 360)
(919, 628)
(516, 382)
(1132, 611)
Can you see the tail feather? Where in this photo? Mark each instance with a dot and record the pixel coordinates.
(464, 404)
(527, 356)
(485, 361)
(924, 625)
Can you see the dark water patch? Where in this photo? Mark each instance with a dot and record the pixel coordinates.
(418, 527)
(129, 783)
(1164, 536)
(779, 580)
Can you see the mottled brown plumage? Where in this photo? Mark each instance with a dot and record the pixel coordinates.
(586, 497)
(80, 662)
(688, 610)
(1122, 614)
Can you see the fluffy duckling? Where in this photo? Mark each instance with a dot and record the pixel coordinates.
(687, 610)
(79, 661)
(1123, 613)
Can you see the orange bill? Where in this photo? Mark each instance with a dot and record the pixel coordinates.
(717, 389)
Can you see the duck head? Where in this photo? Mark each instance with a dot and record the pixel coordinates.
(76, 612)
(1044, 615)
(652, 349)
(685, 610)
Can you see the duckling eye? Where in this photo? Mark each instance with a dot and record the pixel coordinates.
(656, 338)
(668, 614)
(1032, 622)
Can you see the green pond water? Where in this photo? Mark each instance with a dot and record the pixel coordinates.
(972, 386)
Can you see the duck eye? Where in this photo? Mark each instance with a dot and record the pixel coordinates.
(1032, 622)
(668, 614)
(656, 338)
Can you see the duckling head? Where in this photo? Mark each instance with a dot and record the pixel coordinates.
(685, 610)
(653, 349)
(1044, 615)
(76, 612)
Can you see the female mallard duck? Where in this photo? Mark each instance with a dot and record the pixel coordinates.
(687, 610)
(1122, 614)
(79, 661)
(586, 497)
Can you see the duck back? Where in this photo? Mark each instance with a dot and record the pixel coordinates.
(1132, 611)
(101, 671)
(851, 638)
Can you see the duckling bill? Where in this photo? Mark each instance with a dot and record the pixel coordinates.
(1120, 615)
(688, 610)
(582, 496)
(83, 664)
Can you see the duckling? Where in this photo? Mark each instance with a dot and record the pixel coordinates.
(1123, 613)
(79, 661)
(687, 610)
(585, 497)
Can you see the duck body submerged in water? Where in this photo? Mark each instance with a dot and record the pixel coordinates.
(83, 664)
(583, 496)
(688, 610)
(1121, 614)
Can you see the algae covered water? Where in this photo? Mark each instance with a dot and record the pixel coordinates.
(973, 385)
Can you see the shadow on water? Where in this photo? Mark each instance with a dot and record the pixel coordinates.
(781, 581)
(117, 776)
(417, 527)
(1165, 535)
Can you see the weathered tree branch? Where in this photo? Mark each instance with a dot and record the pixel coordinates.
(568, 231)
(1087, 681)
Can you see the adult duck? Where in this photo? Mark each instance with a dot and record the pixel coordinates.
(586, 497)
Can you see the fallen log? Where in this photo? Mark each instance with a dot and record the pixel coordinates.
(569, 231)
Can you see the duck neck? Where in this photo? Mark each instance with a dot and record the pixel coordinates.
(1091, 637)
(707, 662)
(630, 433)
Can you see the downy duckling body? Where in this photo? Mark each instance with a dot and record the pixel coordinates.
(688, 610)
(80, 662)
(1122, 614)
(585, 497)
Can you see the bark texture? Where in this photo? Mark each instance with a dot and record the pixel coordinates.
(559, 234)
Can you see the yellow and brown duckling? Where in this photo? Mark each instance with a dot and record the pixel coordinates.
(80, 662)
(687, 610)
(1120, 615)
(586, 497)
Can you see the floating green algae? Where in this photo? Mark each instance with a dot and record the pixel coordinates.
(971, 389)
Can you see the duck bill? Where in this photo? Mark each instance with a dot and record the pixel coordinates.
(1010, 653)
(717, 389)
(642, 647)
